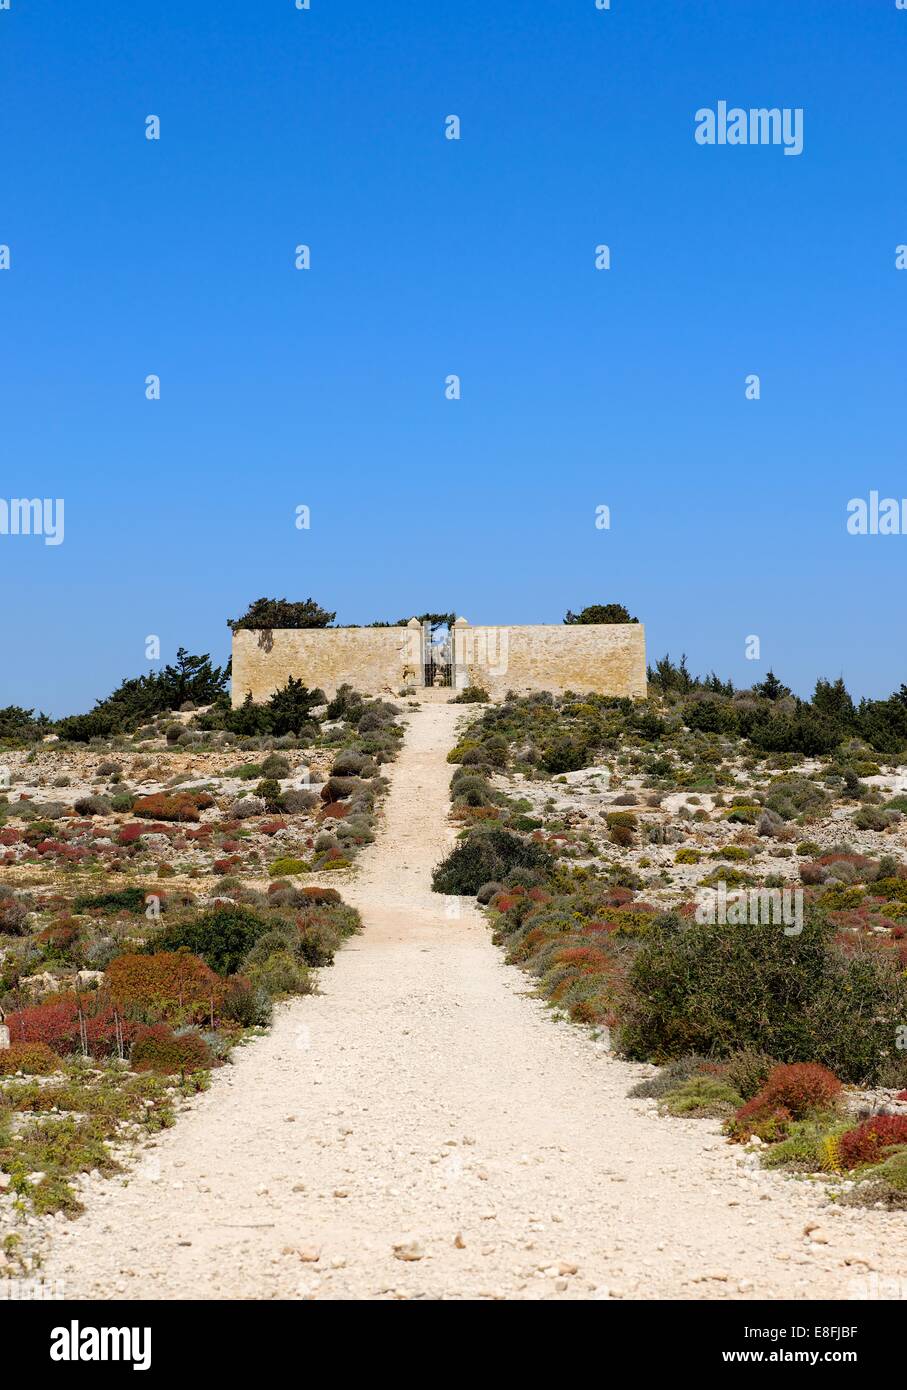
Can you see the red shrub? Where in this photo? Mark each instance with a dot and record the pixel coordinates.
(539, 895)
(271, 827)
(223, 866)
(59, 936)
(864, 1143)
(169, 984)
(320, 895)
(589, 960)
(10, 837)
(161, 806)
(56, 1023)
(801, 1087)
(32, 1058)
(159, 1049)
(792, 1091)
(335, 810)
(133, 832)
(600, 927)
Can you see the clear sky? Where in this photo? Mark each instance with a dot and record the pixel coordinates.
(326, 388)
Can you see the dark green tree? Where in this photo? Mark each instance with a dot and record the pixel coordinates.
(267, 613)
(771, 688)
(291, 707)
(601, 613)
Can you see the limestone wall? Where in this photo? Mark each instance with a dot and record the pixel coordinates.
(607, 658)
(371, 659)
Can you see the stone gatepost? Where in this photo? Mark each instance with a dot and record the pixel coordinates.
(414, 651)
(459, 654)
(4, 1031)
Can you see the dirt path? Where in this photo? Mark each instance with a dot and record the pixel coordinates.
(424, 1098)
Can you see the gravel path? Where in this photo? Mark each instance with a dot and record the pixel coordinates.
(423, 1101)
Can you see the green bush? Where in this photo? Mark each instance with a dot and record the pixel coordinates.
(244, 1004)
(125, 900)
(874, 818)
(567, 754)
(269, 791)
(278, 974)
(703, 1095)
(485, 855)
(747, 1071)
(222, 936)
(288, 865)
(715, 989)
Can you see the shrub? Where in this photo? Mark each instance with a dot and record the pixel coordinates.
(748, 1070)
(801, 1090)
(222, 936)
(714, 989)
(13, 913)
(321, 896)
(485, 855)
(244, 1004)
(268, 791)
(471, 789)
(56, 1023)
(279, 973)
(866, 1142)
(125, 900)
(159, 1049)
(178, 806)
(874, 818)
(349, 762)
(892, 1173)
(275, 765)
(472, 695)
(339, 788)
(32, 1058)
(92, 806)
(295, 801)
(346, 704)
(669, 1078)
(288, 865)
(168, 985)
(569, 753)
(702, 1095)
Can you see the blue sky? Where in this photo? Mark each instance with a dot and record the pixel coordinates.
(325, 387)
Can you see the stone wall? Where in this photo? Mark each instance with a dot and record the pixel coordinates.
(372, 659)
(607, 658)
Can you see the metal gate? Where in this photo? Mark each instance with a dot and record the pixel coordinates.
(437, 660)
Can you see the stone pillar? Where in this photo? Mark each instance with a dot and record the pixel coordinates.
(415, 650)
(458, 654)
